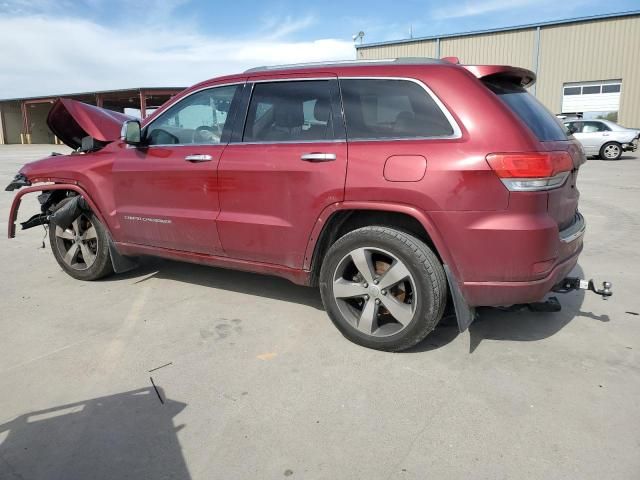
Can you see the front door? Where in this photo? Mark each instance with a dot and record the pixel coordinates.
(167, 192)
(283, 169)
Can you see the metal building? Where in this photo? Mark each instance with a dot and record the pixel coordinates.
(23, 120)
(588, 66)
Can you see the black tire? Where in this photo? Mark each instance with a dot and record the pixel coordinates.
(426, 272)
(101, 266)
(611, 151)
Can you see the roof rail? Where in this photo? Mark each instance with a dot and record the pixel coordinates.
(339, 63)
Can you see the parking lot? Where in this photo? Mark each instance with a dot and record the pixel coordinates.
(254, 381)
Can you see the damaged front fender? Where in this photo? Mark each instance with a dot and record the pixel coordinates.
(65, 215)
(15, 206)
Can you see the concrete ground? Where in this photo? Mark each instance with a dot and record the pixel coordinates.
(257, 383)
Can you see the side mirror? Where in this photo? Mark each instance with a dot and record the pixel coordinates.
(130, 132)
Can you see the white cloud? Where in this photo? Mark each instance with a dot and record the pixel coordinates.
(44, 55)
(473, 8)
(275, 28)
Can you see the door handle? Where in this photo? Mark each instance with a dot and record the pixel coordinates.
(198, 158)
(318, 157)
(605, 134)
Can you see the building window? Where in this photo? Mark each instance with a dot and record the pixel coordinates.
(614, 88)
(572, 90)
(591, 89)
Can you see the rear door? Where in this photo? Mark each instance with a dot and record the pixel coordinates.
(282, 169)
(592, 135)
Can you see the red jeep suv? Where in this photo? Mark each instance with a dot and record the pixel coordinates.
(393, 185)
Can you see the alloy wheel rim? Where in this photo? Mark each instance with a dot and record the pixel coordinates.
(78, 244)
(375, 291)
(611, 151)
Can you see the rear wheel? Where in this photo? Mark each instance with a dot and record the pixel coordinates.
(383, 288)
(611, 151)
(82, 249)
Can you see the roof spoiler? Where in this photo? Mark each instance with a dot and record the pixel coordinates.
(517, 75)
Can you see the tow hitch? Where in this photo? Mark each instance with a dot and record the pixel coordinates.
(570, 284)
(567, 285)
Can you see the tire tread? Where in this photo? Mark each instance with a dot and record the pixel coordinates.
(426, 258)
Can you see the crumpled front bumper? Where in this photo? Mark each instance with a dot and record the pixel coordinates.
(630, 147)
(19, 181)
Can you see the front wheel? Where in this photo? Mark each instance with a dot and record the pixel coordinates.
(611, 151)
(82, 249)
(383, 288)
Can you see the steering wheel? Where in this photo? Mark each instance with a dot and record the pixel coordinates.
(205, 134)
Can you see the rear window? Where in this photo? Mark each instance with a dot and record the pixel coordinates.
(377, 109)
(541, 121)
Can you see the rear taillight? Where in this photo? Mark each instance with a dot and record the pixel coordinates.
(525, 172)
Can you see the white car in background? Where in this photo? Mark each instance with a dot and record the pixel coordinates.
(602, 138)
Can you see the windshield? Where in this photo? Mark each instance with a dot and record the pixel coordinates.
(541, 121)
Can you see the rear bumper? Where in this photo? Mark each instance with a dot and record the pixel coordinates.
(519, 266)
(494, 294)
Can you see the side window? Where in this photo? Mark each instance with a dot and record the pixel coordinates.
(198, 119)
(289, 111)
(590, 127)
(391, 109)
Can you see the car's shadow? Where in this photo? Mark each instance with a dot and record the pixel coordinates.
(491, 323)
(126, 435)
(623, 157)
(223, 279)
(521, 325)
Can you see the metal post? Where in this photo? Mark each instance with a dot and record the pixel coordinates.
(3, 131)
(99, 100)
(25, 136)
(437, 48)
(536, 58)
(143, 104)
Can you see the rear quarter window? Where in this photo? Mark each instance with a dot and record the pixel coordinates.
(381, 108)
(527, 108)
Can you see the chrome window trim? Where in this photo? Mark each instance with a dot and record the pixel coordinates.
(457, 131)
(289, 142)
(209, 87)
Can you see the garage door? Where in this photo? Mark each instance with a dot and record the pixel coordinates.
(591, 96)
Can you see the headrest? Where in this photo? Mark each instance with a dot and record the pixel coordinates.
(321, 110)
(288, 113)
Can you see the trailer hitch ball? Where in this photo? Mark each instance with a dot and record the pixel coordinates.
(606, 289)
(572, 283)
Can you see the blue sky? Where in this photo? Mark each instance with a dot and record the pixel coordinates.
(67, 46)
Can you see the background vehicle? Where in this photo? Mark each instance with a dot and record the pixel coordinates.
(603, 138)
(394, 186)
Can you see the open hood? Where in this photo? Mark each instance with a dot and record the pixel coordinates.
(71, 121)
